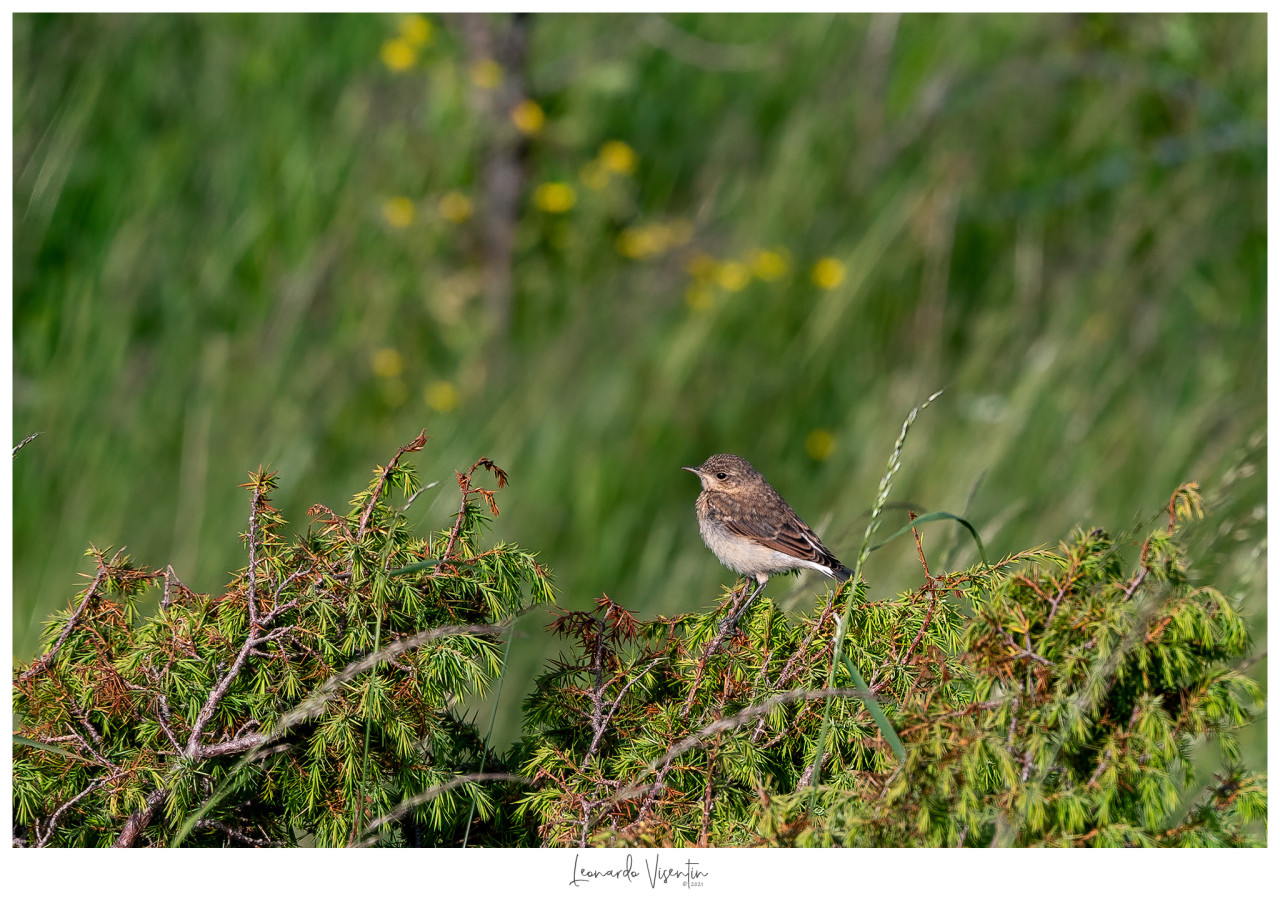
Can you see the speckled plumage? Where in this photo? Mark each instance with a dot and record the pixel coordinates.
(752, 529)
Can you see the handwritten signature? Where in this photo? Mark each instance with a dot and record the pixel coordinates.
(687, 876)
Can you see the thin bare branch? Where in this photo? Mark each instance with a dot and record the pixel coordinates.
(413, 446)
(42, 664)
(239, 836)
(694, 740)
(52, 822)
(316, 702)
(613, 709)
(404, 807)
(139, 819)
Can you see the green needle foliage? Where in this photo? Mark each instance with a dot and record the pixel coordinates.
(662, 732)
(1088, 686)
(1064, 711)
(1055, 697)
(202, 700)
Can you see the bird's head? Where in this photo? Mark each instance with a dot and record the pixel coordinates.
(726, 473)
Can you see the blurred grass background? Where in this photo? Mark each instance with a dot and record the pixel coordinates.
(268, 240)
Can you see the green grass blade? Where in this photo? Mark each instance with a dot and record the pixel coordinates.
(427, 565)
(842, 626)
(877, 713)
(937, 516)
(43, 746)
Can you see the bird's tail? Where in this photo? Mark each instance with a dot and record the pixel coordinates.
(841, 573)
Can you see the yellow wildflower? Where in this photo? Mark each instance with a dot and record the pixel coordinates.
(388, 362)
(554, 196)
(733, 276)
(442, 395)
(455, 206)
(768, 264)
(416, 30)
(398, 211)
(528, 117)
(486, 74)
(637, 242)
(819, 444)
(828, 273)
(618, 157)
(398, 54)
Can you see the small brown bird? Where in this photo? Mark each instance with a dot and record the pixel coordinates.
(752, 529)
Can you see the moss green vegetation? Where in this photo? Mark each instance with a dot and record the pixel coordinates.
(1051, 698)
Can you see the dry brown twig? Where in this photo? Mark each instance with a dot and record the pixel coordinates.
(90, 594)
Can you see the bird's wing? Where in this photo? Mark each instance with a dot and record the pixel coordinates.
(792, 536)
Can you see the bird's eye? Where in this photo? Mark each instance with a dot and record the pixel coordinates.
(721, 475)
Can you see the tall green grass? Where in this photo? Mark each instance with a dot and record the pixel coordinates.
(1059, 219)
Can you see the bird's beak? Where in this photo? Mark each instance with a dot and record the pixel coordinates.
(692, 471)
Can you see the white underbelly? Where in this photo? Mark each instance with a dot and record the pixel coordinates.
(750, 558)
